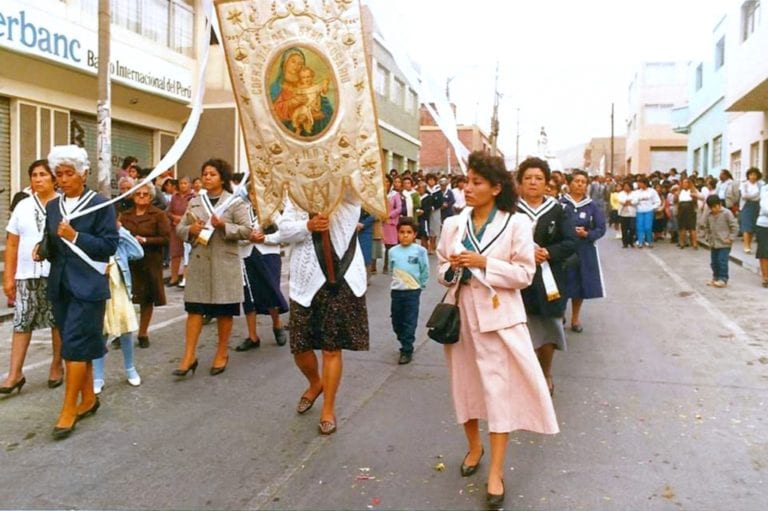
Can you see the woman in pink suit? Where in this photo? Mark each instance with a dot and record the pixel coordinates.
(495, 375)
(389, 227)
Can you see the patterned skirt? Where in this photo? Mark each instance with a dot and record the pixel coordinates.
(336, 320)
(33, 310)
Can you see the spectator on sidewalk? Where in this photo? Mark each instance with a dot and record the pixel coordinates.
(409, 267)
(728, 191)
(761, 233)
(722, 229)
(627, 215)
(646, 200)
(687, 201)
(750, 206)
(389, 225)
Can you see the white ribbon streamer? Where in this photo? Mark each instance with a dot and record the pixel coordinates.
(459, 247)
(186, 135)
(550, 286)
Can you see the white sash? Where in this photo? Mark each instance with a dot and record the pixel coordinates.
(465, 226)
(81, 203)
(547, 277)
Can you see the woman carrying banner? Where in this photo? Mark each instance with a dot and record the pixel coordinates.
(495, 375)
(215, 275)
(328, 315)
(78, 249)
(545, 299)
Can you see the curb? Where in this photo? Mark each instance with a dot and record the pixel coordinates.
(736, 260)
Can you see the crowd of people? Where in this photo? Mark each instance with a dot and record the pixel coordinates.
(513, 249)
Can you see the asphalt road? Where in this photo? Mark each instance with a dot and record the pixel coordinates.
(661, 401)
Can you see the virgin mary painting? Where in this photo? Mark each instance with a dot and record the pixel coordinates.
(303, 92)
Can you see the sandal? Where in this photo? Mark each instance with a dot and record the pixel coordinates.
(327, 427)
(305, 403)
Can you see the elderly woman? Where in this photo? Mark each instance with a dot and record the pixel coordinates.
(78, 249)
(326, 316)
(25, 281)
(215, 275)
(545, 298)
(152, 229)
(488, 253)
(587, 220)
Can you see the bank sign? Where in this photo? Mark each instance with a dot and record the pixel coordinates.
(34, 32)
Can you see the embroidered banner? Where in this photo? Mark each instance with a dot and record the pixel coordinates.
(302, 85)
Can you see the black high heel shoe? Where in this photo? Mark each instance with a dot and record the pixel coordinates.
(495, 501)
(18, 385)
(468, 470)
(183, 372)
(62, 433)
(91, 411)
(219, 370)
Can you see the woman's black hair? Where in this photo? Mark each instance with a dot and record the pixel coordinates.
(41, 163)
(389, 179)
(533, 163)
(223, 168)
(579, 172)
(727, 173)
(492, 169)
(754, 170)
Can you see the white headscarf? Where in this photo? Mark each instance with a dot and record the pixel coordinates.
(71, 155)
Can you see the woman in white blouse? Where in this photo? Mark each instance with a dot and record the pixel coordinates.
(687, 202)
(25, 281)
(750, 206)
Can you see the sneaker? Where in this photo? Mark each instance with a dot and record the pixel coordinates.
(182, 283)
(719, 283)
(405, 358)
(98, 386)
(617, 237)
(134, 380)
(747, 250)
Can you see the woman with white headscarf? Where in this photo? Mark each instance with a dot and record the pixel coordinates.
(78, 250)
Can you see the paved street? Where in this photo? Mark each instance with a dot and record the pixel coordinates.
(661, 401)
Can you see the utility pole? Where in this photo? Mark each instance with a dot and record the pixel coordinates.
(611, 138)
(495, 117)
(517, 141)
(104, 105)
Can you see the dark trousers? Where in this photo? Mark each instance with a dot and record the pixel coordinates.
(719, 263)
(405, 317)
(627, 230)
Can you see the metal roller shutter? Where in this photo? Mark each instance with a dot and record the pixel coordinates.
(5, 163)
(127, 140)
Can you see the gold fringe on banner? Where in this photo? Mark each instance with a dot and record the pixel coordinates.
(302, 84)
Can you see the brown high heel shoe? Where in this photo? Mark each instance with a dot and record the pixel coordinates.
(218, 370)
(16, 386)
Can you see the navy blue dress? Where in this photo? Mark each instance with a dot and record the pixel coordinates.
(585, 280)
(78, 292)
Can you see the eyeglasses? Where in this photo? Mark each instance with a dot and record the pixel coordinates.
(141, 194)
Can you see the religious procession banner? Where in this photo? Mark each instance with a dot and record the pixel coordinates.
(303, 91)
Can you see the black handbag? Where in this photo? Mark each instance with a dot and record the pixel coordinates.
(44, 247)
(444, 323)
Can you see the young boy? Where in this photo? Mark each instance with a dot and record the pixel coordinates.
(409, 267)
(721, 230)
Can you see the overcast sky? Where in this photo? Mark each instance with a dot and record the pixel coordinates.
(562, 61)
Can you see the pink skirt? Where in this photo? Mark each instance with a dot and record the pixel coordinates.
(495, 376)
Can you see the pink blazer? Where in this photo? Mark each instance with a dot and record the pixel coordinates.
(389, 226)
(508, 245)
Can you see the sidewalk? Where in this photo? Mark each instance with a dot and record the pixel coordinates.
(737, 256)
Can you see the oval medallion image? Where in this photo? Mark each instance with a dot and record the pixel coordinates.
(302, 92)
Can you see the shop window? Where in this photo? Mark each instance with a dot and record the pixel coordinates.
(40, 128)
